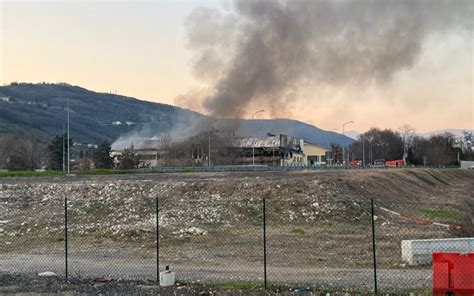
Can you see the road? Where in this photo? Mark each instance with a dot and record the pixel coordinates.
(90, 266)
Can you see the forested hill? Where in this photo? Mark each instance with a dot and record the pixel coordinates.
(41, 109)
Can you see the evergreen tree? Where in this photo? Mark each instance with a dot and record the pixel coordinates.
(56, 152)
(102, 158)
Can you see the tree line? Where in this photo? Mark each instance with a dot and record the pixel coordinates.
(21, 152)
(441, 149)
(27, 152)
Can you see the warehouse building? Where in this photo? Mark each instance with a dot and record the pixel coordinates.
(315, 154)
(271, 150)
(282, 150)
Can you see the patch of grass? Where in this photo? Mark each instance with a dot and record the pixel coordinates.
(30, 174)
(106, 172)
(98, 210)
(272, 287)
(240, 232)
(228, 286)
(95, 172)
(297, 231)
(443, 214)
(418, 292)
(184, 171)
(240, 285)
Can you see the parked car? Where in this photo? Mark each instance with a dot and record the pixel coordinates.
(379, 163)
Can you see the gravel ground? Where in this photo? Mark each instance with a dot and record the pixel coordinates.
(29, 284)
(323, 278)
(210, 224)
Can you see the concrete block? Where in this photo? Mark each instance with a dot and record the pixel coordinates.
(467, 164)
(419, 252)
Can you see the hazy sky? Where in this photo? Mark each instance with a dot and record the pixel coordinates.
(140, 49)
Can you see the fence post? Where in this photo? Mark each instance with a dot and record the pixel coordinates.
(65, 237)
(264, 245)
(373, 244)
(157, 242)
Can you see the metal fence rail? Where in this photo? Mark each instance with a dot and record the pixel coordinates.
(362, 246)
(291, 167)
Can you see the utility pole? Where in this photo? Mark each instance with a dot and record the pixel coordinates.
(68, 141)
(363, 150)
(253, 146)
(64, 149)
(209, 143)
(209, 152)
(370, 147)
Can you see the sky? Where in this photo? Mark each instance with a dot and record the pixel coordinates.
(141, 49)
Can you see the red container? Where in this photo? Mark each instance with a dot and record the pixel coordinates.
(453, 273)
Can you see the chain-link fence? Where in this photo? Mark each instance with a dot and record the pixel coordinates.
(346, 245)
(408, 234)
(32, 236)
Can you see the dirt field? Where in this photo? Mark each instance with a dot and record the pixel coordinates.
(318, 225)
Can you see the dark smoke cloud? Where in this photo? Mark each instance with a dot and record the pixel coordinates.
(263, 51)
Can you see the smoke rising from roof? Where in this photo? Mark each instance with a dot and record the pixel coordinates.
(262, 52)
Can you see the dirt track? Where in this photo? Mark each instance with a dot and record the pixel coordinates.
(95, 266)
(318, 224)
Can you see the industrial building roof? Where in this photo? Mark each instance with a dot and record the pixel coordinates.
(262, 142)
(320, 146)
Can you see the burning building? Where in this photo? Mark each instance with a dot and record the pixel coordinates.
(271, 150)
(149, 153)
(282, 150)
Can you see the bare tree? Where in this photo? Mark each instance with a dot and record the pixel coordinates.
(167, 149)
(5, 148)
(407, 133)
(378, 144)
(194, 150)
(166, 141)
(440, 150)
(21, 152)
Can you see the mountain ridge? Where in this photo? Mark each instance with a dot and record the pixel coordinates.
(41, 108)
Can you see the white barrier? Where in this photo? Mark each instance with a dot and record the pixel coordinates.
(467, 164)
(418, 252)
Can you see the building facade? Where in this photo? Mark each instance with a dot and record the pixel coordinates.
(282, 150)
(271, 150)
(315, 155)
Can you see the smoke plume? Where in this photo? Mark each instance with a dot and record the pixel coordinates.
(262, 52)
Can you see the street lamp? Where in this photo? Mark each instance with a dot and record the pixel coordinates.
(253, 146)
(64, 149)
(209, 154)
(343, 126)
(362, 138)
